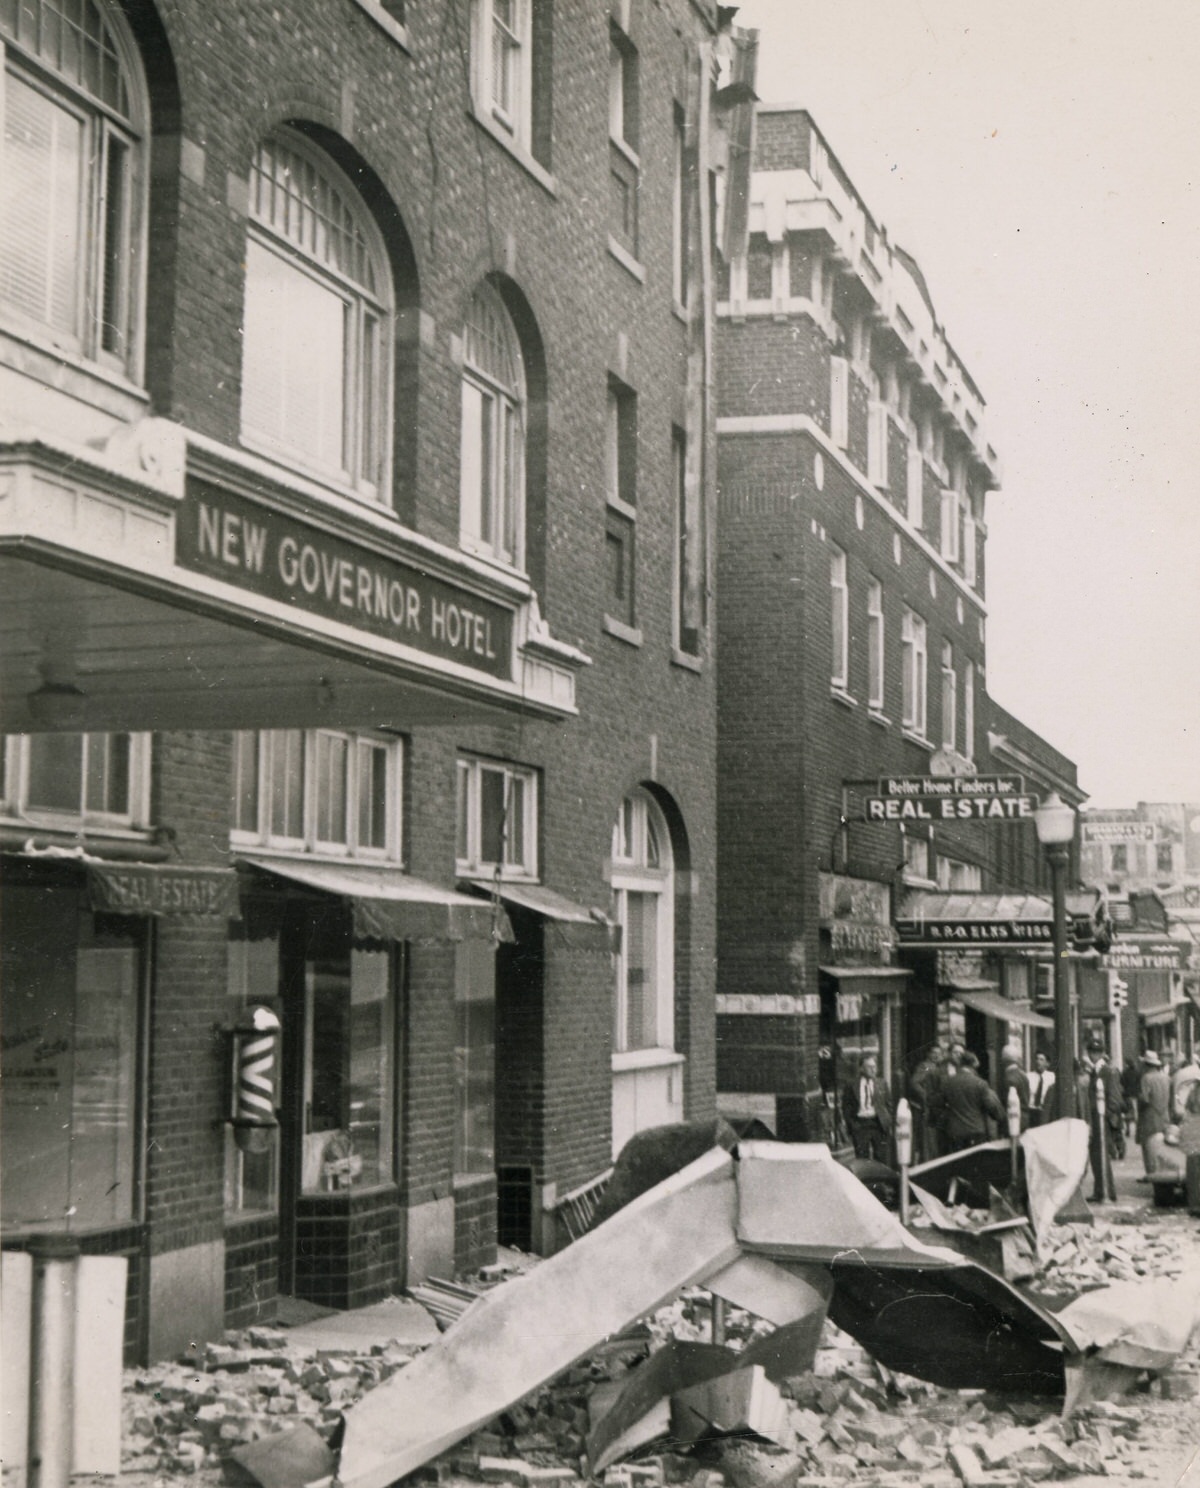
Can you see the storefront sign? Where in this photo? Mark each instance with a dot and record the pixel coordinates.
(856, 913)
(933, 798)
(267, 553)
(1132, 955)
(974, 932)
(1126, 831)
(153, 889)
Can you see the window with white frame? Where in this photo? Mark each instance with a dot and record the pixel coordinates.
(678, 211)
(94, 780)
(502, 64)
(497, 819)
(969, 710)
(916, 858)
(492, 470)
(327, 791)
(949, 528)
(875, 646)
(620, 458)
(958, 877)
(877, 437)
(915, 486)
(643, 891)
(839, 401)
(949, 698)
(914, 672)
(73, 178)
(839, 613)
(316, 360)
(969, 551)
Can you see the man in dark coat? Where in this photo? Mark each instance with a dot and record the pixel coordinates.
(867, 1106)
(1154, 1108)
(1104, 1132)
(924, 1096)
(968, 1101)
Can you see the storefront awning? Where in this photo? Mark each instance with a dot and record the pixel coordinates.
(1161, 1014)
(389, 904)
(868, 973)
(936, 918)
(993, 1005)
(573, 925)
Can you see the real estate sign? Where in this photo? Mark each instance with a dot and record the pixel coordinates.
(939, 798)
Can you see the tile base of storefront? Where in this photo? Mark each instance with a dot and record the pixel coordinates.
(251, 1272)
(349, 1247)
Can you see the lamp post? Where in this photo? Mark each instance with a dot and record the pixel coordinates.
(1055, 823)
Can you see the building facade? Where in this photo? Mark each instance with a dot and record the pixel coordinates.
(357, 667)
(854, 468)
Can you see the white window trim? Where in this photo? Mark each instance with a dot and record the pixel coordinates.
(397, 30)
(969, 710)
(949, 699)
(631, 874)
(948, 544)
(470, 769)
(839, 401)
(515, 123)
(914, 650)
(101, 125)
(915, 486)
(15, 806)
(839, 596)
(308, 843)
(511, 403)
(969, 548)
(876, 648)
(877, 443)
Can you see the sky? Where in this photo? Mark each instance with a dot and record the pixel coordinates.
(1039, 159)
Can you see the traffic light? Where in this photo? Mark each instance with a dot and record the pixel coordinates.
(1092, 932)
(1118, 994)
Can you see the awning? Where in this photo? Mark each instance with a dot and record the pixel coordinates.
(992, 1005)
(389, 904)
(1161, 1014)
(868, 973)
(574, 925)
(935, 918)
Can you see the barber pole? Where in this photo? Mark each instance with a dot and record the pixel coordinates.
(255, 1045)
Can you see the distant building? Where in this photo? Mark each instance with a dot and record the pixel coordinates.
(854, 469)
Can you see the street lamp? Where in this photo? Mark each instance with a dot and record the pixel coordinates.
(1055, 823)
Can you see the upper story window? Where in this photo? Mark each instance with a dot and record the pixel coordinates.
(497, 819)
(969, 710)
(1120, 858)
(67, 780)
(877, 435)
(875, 646)
(73, 178)
(316, 359)
(950, 526)
(492, 473)
(839, 603)
(1164, 858)
(916, 857)
(914, 672)
(970, 557)
(915, 486)
(689, 608)
(643, 888)
(502, 64)
(319, 791)
(839, 401)
(678, 210)
(620, 461)
(949, 698)
(959, 877)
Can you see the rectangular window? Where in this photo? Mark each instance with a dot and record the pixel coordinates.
(318, 790)
(71, 989)
(101, 780)
(474, 1058)
(619, 568)
(916, 857)
(957, 877)
(970, 558)
(623, 187)
(877, 444)
(949, 698)
(875, 646)
(349, 1099)
(1120, 858)
(678, 211)
(914, 672)
(969, 710)
(622, 89)
(690, 606)
(1164, 858)
(620, 451)
(839, 401)
(915, 486)
(501, 65)
(638, 1006)
(497, 819)
(949, 531)
(839, 599)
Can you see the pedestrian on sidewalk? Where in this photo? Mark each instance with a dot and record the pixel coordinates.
(1154, 1108)
(1015, 1078)
(1131, 1079)
(867, 1105)
(968, 1101)
(1041, 1087)
(1104, 1131)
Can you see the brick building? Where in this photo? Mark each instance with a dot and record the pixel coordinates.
(357, 661)
(854, 466)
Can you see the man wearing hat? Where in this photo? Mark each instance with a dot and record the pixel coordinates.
(1154, 1107)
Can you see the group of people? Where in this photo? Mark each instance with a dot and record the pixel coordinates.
(954, 1107)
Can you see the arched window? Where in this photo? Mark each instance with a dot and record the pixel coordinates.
(72, 178)
(644, 891)
(492, 513)
(316, 358)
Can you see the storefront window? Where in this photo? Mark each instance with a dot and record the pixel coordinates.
(349, 1101)
(474, 1058)
(252, 1178)
(70, 986)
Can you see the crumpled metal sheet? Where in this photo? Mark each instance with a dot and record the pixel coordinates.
(1141, 1324)
(1056, 1157)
